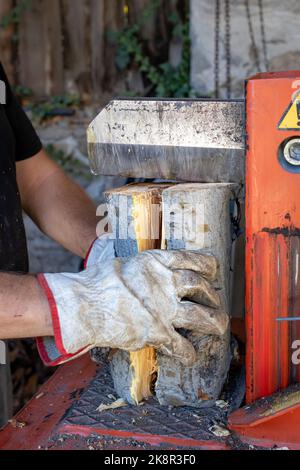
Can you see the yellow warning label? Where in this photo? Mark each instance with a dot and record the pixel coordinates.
(290, 121)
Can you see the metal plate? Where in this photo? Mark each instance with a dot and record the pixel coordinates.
(183, 140)
(183, 423)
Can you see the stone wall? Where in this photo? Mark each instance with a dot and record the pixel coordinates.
(282, 33)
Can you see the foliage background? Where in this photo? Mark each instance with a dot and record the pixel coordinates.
(94, 48)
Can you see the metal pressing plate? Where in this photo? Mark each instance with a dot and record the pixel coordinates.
(182, 140)
(148, 423)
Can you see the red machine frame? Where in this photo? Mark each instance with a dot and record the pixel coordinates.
(272, 238)
(272, 266)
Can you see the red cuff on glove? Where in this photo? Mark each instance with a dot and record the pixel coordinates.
(61, 355)
(88, 254)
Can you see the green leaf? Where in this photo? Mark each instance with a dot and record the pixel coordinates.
(122, 59)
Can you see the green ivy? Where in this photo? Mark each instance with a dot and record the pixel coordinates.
(13, 17)
(23, 92)
(41, 111)
(166, 80)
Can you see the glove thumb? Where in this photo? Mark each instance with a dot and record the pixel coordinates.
(180, 348)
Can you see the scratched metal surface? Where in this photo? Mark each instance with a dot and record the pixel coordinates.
(182, 140)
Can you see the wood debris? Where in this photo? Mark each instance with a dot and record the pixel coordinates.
(112, 406)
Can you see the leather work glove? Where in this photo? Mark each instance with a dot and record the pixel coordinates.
(129, 303)
(102, 249)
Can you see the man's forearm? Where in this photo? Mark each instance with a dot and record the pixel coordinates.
(64, 212)
(24, 309)
(59, 207)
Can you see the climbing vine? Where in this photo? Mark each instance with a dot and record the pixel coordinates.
(14, 16)
(164, 79)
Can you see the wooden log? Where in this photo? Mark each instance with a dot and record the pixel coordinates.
(135, 217)
(197, 217)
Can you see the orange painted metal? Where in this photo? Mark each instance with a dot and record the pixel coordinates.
(272, 239)
(151, 439)
(36, 423)
(270, 422)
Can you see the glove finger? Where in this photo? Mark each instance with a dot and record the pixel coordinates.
(180, 348)
(206, 265)
(201, 319)
(193, 286)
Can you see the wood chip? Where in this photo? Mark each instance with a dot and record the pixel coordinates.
(219, 431)
(116, 404)
(111, 397)
(222, 404)
(17, 424)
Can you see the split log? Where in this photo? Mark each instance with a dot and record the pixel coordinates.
(197, 217)
(135, 217)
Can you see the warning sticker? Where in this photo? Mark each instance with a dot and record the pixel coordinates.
(290, 121)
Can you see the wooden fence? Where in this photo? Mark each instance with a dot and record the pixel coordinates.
(59, 46)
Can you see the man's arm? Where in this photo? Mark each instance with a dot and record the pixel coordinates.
(58, 206)
(24, 309)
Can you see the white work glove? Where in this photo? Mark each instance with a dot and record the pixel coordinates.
(101, 250)
(128, 303)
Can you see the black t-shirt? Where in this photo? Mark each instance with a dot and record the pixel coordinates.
(18, 141)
